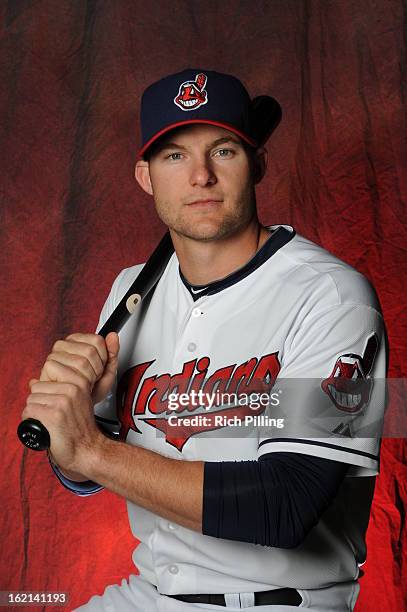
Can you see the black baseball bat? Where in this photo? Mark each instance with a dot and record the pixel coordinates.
(32, 433)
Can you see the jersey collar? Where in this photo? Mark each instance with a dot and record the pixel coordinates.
(279, 237)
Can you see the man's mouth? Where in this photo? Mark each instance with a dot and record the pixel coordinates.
(203, 202)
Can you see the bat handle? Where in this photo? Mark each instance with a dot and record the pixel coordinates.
(34, 435)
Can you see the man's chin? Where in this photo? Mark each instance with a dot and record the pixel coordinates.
(205, 233)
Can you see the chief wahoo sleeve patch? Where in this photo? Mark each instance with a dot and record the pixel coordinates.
(349, 386)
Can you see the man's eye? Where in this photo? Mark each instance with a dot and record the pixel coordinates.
(224, 152)
(174, 156)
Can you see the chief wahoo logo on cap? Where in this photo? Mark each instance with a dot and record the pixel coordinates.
(192, 94)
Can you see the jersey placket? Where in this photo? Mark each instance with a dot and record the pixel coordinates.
(188, 347)
(189, 334)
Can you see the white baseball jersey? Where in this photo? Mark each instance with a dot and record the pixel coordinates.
(297, 323)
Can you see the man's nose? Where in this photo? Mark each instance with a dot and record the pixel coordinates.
(202, 173)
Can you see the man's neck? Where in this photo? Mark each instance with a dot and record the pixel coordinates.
(205, 262)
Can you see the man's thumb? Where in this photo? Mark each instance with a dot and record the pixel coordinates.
(112, 345)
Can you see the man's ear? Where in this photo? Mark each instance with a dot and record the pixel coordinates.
(260, 164)
(142, 175)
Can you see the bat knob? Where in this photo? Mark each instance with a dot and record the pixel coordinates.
(34, 435)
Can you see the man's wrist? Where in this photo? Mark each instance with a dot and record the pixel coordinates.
(74, 476)
(88, 459)
(71, 475)
(94, 458)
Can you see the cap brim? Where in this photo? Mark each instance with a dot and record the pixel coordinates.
(168, 128)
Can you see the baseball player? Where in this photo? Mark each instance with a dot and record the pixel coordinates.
(246, 397)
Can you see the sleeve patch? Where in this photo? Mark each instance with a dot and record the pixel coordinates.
(349, 385)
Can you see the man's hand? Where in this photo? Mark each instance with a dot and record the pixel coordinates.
(90, 355)
(78, 372)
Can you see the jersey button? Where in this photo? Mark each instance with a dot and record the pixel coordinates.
(191, 346)
(172, 527)
(196, 312)
(173, 569)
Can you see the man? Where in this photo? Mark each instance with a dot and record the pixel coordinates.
(252, 504)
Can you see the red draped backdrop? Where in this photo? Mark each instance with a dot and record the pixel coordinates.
(72, 216)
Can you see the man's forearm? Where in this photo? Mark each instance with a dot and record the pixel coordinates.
(171, 488)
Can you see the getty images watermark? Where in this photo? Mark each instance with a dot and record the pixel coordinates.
(193, 400)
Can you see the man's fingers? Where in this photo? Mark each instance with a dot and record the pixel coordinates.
(79, 363)
(93, 352)
(89, 354)
(94, 340)
(81, 360)
(56, 400)
(49, 409)
(35, 411)
(54, 371)
(55, 388)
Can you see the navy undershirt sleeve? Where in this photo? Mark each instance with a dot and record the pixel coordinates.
(273, 502)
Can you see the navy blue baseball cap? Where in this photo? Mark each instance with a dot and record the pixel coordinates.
(205, 96)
